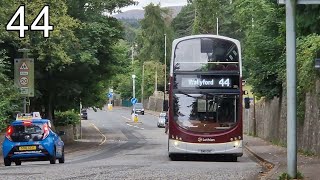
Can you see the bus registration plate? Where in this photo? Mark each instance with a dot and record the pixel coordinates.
(206, 150)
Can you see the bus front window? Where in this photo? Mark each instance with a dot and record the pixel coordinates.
(204, 112)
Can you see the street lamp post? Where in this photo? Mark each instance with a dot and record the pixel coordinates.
(133, 86)
(165, 71)
(142, 84)
(134, 92)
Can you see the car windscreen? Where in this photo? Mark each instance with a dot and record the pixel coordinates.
(27, 132)
(138, 106)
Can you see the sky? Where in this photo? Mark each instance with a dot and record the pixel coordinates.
(163, 3)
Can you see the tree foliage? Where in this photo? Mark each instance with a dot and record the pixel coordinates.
(182, 24)
(78, 58)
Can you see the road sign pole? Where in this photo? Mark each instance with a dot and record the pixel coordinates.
(291, 88)
(25, 55)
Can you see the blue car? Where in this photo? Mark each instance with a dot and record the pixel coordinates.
(32, 140)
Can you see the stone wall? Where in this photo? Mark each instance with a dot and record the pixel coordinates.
(271, 121)
(69, 137)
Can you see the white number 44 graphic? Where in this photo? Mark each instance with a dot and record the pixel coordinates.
(34, 26)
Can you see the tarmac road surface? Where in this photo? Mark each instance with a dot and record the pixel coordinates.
(120, 149)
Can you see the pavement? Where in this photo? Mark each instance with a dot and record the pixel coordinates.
(274, 159)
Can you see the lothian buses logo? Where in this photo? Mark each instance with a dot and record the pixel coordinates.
(200, 139)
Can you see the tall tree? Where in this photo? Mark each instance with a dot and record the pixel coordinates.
(183, 23)
(153, 28)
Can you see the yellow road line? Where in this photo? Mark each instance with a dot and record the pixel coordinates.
(104, 137)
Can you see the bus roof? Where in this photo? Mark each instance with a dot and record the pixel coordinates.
(237, 42)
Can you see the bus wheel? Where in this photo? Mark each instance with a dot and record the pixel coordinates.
(175, 157)
(233, 158)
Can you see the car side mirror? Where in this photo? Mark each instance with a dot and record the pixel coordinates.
(60, 133)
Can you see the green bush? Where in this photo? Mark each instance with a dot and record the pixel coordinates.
(70, 117)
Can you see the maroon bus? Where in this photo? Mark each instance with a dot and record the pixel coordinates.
(205, 97)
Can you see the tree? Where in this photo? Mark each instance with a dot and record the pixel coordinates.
(182, 24)
(153, 29)
(77, 60)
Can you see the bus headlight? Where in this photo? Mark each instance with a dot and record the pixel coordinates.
(236, 143)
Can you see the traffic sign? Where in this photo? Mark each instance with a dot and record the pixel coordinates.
(24, 66)
(110, 94)
(24, 76)
(134, 100)
(23, 81)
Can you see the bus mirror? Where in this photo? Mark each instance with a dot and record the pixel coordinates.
(247, 103)
(245, 92)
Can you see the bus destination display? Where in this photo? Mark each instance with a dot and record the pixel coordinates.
(217, 82)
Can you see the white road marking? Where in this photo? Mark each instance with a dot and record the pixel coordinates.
(127, 118)
(104, 137)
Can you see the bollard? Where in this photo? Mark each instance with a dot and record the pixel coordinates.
(135, 119)
(110, 107)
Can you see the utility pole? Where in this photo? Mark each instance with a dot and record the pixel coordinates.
(142, 84)
(132, 55)
(133, 86)
(217, 26)
(165, 71)
(156, 80)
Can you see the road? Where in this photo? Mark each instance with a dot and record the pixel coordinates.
(131, 151)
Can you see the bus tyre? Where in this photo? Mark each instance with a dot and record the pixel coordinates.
(7, 162)
(233, 158)
(174, 157)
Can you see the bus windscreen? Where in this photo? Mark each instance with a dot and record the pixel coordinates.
(206, 54)
(205, 113)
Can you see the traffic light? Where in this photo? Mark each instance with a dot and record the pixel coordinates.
(247, 103)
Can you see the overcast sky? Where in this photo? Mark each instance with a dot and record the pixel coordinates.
(143, 3)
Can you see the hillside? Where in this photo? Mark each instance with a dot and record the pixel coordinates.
(139, 14)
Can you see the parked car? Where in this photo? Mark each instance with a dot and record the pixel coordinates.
(138, 108)
(84, 114)
(162, 120)
(30, 139)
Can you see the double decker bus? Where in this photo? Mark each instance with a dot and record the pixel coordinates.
(205, 97)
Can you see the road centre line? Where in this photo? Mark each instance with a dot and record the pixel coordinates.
(104, 137)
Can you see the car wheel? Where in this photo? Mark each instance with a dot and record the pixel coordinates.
(7, 162)
(61, 160)
(53, 158)
(17, 162)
